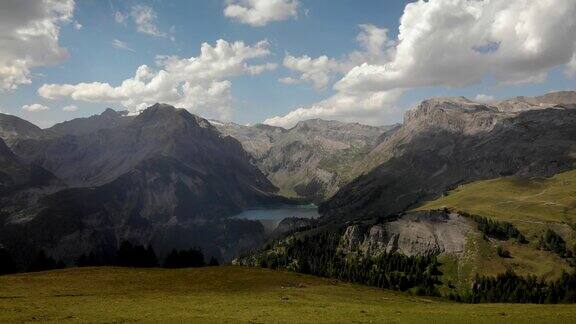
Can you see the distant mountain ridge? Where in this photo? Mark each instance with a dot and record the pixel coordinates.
(169, 178)
(311, 159)
(110, 118)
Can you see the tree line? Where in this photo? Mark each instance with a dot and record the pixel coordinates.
(318, 254)
(496, 229)
(512, 288)
(127, 255)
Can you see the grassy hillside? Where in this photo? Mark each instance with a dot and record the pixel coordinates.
(233, 294)
(532, 205)
(517, 199)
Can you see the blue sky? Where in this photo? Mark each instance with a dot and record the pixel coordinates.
(317, 28)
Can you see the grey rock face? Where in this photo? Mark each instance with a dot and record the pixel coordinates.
(419, 233)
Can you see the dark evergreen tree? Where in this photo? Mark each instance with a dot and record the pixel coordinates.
(553, 242)
(184, 259)
(496, 229)
(129, 255)
(503, 253)
(213, 262)
(93, 259)
(7, 264)
(511, 288)
(43, 262)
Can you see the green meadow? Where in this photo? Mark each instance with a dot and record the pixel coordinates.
(522, 200)
(235, 294)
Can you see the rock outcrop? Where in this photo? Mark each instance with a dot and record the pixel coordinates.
(416, 233)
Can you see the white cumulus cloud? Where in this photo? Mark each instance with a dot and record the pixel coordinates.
(366, 109)
(318, 71)
(29, 32)
(323, 70)
(35, 107)
(459, 42)
(455, 43)
(260, 12)
(197, 83)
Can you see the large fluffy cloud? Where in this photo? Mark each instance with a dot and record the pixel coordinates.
(366, 109)
(318, 71)
(260, 12)
(29, 30)
(196, 83)
(459, 42)
(456, 43)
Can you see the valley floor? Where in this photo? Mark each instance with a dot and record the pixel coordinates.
(234, 294)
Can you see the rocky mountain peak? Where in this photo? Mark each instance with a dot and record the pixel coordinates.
(162, 113)
(457, 114)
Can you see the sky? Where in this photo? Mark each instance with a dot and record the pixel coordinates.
(278, 61)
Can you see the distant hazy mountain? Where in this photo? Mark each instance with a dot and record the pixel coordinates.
(312, 159)
(449, 141)
(165, 177)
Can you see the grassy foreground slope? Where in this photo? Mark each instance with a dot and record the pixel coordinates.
(234, 294)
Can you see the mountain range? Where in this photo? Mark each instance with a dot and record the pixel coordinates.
(170, 179)
(483, 188)
(310, 160)
(165, 177)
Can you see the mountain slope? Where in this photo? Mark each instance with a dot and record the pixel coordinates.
(102, 156)
(13, 128)
(16, 175)
(165, 177)
(446, 142)
(526, 200)
(310, 160)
